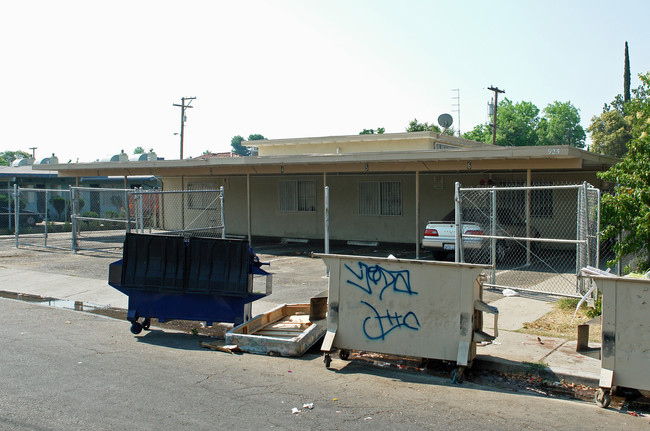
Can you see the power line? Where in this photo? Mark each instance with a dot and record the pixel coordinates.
(183, 107)
(494, 122)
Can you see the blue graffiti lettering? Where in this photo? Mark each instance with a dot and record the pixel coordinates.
(377, 327)
(376, 276)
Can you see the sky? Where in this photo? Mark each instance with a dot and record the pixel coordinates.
(87, 79)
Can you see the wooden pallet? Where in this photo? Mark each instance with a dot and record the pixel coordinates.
(285, 330)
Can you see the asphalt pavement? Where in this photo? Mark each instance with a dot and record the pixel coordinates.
(298, 277)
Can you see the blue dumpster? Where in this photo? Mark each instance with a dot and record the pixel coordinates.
(171, 277)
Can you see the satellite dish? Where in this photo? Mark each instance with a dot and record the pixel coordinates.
(445, 120)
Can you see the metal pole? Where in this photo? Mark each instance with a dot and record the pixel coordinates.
(529, 175)
(493, 232)
(417, 214)
(140, 215)
(47, 194)
(73, 217)
(16, 213)
(457, 208)
(11, 223)
(127, 211)
(598, 228)
(223, 214)
(248, 205)
(327, 219)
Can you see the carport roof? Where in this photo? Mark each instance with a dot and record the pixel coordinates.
(479, 158)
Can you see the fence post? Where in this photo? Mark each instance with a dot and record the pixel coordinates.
(9, 195)
(458, 252)
(16, 213)
(598, 228)
(47, 195)
(327, 219)
(223, 214)
(493, 241)
(73, 216)
(127, 210)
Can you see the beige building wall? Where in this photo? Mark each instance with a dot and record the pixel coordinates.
(436, 200)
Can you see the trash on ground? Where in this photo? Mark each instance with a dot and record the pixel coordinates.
(229, 348)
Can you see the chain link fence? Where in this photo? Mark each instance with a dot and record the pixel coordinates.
(37, 217)
(101, 217)
(537, 238)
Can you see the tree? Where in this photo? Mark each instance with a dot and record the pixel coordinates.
(138, 150)
(561, 126)
(610, 132)
(378, 131)
(256, 137)
(627, 211)
(237, 147)
(517, 124)
(480, 133)
(7, 157)
(415, 126)
(206, 152)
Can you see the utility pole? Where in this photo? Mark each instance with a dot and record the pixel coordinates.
(494, 122)
(33, 152)
(456, 107)
(183, 107)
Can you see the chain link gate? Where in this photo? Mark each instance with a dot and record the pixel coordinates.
(101, 217)
(37, 217)
(536, 238)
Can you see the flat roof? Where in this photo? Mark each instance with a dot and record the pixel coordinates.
(479, 157)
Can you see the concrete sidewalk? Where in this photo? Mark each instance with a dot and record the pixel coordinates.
(511, 352)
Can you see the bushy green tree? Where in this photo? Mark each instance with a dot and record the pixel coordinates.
(480, 133)
(378, 131)
(138, 150)
(237, 147)
(610, 132)
(7, 157)
(561, 126)
(627, 211)
(416, 126)
(517, 124)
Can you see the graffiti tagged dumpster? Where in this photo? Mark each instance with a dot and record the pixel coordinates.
(405, 307)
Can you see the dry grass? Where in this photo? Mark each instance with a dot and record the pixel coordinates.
(558, 322)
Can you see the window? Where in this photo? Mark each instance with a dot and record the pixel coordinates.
(202, 201)
(298, 196)
(380, 198)
(541, 200)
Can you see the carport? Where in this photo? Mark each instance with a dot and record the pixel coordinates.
(281, 192)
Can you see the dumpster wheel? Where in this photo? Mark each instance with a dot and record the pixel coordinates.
(344, 354)
(146, 324)
(327, 358)
(602, 398)
(136, 328)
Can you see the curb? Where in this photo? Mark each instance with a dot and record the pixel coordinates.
(503, 365)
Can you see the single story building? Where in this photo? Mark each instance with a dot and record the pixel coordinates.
(382, 188)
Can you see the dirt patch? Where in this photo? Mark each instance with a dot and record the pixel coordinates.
(560, 323)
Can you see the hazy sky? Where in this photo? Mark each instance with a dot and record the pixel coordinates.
(85, 79)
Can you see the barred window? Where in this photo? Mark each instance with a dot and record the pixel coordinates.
(380, 198)
(297, 196)
(202, 201)
(541, 200)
